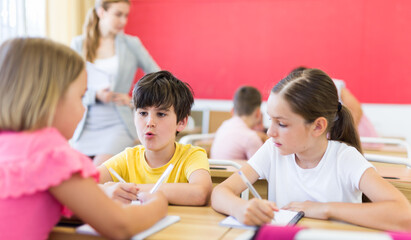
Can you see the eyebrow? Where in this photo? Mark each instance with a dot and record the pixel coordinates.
(157, 108)
(279, 118)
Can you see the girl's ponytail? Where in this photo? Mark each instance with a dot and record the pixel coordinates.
(91, 35)
(344, 130)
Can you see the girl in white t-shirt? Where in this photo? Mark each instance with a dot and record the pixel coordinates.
(313, 163)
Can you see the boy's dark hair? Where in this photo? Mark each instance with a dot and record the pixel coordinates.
(163, 90)
(246, 100)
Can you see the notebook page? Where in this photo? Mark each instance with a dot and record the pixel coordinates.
(282, 217)
(163, 223)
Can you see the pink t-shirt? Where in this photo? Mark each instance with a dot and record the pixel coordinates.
(31, 163)
(235, 140)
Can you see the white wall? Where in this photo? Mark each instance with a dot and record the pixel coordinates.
(390, 120)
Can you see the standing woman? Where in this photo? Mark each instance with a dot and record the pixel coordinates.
(107, 126)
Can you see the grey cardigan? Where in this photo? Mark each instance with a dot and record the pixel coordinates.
(132, 55)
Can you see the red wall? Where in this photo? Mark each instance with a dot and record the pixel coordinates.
(218, 45)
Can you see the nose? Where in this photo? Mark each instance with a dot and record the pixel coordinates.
(151, 122)
(272, 131)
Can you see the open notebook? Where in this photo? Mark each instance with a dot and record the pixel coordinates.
(282, 217)
(163, 223)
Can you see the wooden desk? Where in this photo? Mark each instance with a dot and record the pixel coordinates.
(401, 172)
(387, 150)
(195, 223)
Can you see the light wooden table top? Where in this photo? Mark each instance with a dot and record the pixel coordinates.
(195, 223)
(203, 223)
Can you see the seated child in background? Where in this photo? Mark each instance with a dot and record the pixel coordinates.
(236, 138)
(162, 103)
(364, 126)
(41, 88)
(308, 172)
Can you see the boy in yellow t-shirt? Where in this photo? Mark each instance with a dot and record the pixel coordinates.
(163, 104)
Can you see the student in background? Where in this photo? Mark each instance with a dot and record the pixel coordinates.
(107, 127)
(307, 172)
(41, 88)
(364, 126)
(162, 105)
(236, 138)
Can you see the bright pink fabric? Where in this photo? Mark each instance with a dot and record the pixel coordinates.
(273, 232)
(400, 235)
(31, 163)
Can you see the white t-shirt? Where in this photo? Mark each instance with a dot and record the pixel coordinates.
(335, 179)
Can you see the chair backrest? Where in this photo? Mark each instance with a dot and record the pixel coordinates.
(192, 138)
(245, 193)
(386, 158)
(202, 140)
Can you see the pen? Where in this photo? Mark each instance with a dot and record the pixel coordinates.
(249, 185)
(116, 175)
(162, 178)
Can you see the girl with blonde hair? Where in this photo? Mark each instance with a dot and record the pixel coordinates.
(107, 127)
(41, 177)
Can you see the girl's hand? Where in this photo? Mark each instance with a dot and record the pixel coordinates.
(104, 95)
(257, 212)
(123, 192)
(311, 209)
(121, 99)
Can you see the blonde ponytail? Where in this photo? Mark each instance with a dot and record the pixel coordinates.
(91, 29)
(92, 35)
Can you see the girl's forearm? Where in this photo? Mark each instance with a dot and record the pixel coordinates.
(386, 215)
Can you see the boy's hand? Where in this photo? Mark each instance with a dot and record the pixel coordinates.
(123, 192)
(257, 212)
(145, 197)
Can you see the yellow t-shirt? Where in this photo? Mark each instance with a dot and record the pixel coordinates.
(131, 165)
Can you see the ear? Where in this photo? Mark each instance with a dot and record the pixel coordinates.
(319, 126)
(232, 112)
(100, 12)
(257, 113)
(182, 124)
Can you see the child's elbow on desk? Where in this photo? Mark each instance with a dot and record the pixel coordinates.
(202, 197)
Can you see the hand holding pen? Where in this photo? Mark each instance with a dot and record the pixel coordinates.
(256, 211)
(141, 196)
(121, 191)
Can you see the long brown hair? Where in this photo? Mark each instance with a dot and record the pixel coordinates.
(311, 93)
(91, 29)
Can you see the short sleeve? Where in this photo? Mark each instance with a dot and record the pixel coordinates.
(353, 166)
(119, 164)
(43, 170)
(35, 161)
(197, 159)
